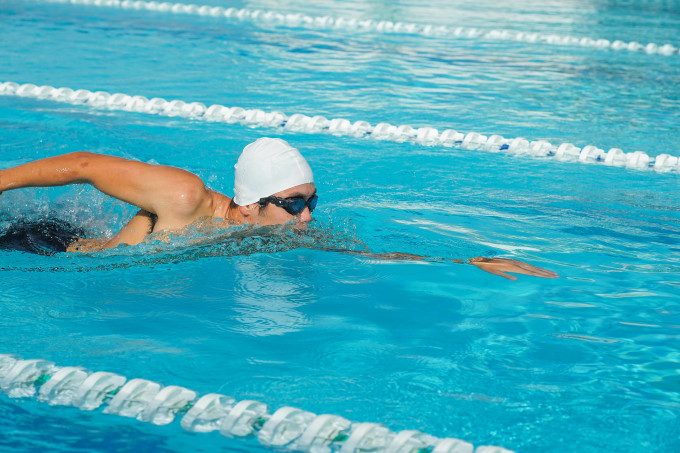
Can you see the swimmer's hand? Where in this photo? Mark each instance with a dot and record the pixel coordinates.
(499, 266)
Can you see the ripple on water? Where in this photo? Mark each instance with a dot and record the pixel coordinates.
(347, 353)
(258, 322)
(586, 338)
(627, 294)
(12, 317)
(351, 270)
(671, 283)
(660, 436)
(270, 276)
(364, 273)
(23, 305)
(571, 304)
(176, 364)
(72, 311)
(413, 384)
(354, 396)
(267, 295)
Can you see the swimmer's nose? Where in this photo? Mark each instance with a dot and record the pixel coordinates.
(305, 215)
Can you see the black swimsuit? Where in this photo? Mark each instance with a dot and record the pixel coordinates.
(42, 237)
(47, 236)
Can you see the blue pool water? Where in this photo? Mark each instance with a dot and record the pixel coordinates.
(589, 362)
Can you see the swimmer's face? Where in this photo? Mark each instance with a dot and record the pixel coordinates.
(271, 214)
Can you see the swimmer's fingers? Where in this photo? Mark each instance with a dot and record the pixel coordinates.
(538, 271)
(530, 269)
(499, 266)
(486, 267)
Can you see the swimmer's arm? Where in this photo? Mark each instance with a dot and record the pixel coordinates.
(495, 266)
(499, 266)
(177, 196)
(132, 233)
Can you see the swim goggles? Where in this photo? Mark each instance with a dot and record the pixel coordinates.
(292, 205)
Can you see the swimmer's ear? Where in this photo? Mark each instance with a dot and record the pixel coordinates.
(249, 210)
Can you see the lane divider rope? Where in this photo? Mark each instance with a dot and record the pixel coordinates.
(377, 26)
(427, 136)
(288, 428)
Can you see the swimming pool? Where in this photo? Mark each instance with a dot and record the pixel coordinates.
(588, 362)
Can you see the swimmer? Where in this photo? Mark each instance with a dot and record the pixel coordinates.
(273, 185)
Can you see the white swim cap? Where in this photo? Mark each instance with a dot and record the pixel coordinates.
(268, 166)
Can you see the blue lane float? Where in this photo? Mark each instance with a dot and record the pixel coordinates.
(377, 26)
(288, 428)
(427, 136)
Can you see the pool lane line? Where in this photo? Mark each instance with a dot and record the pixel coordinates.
(426, 136)
(287, 429)
(377, 26)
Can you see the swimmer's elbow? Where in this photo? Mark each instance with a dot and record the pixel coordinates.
(80, 164)
(81, 158)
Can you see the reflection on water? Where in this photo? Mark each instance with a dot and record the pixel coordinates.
(266, 298)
